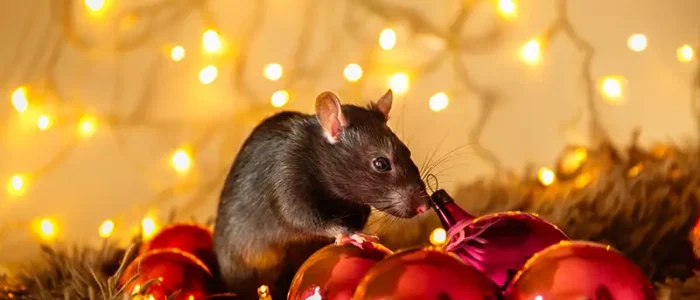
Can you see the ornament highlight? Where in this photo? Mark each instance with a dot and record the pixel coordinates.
(580, 270)
(425, 273)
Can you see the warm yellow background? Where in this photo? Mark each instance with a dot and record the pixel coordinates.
(120, 170)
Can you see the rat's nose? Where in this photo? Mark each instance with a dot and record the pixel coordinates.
(422, 202)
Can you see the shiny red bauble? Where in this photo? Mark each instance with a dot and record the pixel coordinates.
(580, 270)
(174, 270)
(499, 244)
(425, 273)
(334, 271)
(191, 238)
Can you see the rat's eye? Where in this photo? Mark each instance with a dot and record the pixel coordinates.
(381, 164)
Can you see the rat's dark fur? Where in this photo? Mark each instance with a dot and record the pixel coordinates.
(292, 189)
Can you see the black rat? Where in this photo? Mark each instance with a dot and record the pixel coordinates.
(301, 180)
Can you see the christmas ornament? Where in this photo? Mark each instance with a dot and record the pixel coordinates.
(334, 271)
(173, 269)
(425, 273)
(496, 244)
(580, 270)
(191, 238)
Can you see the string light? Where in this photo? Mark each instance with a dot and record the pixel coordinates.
(506, 8)
(106, 229)
(177, 53)
(399, 83)
(19, 99)
(530, 52)
(181, 161)
(637, 42)
(47, 229)
(439, 101)
(279, 98)
(273, 71)
(43, 122)
(685, 53)
(573, 160)
(264, 293)
(148, 227)
(95, 5)
(87, 126)
(208, 74)
(546, 176)
(387, 39)
(353, 72)
(611, 88)
(16, 185)
(211, 41)
(438, 237)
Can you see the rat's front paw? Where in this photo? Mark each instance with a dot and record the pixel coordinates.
(357, 239)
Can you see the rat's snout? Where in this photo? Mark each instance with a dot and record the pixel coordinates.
(407, 203)
(421, 201)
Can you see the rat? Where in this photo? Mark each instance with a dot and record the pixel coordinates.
(301, 181)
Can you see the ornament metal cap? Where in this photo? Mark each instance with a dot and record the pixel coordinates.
(441, 197)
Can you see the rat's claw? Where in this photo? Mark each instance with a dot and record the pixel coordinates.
(363, 238)
(357, 239)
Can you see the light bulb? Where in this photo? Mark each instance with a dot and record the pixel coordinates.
(279, 98)
(177, 53)
(87, 126)
(353, 72)
(19, 99)
(637, 42)
(211, 41)
(530, 52)
(387, 39)
(273, 71)
(439, 101)
(208, 74)
(148, 228)
(95, 5)
(43, 122)
(506, 8)
(438, 237)
(546, 176)
(611, 88)
(106, 229)
(47, 229)
(181, 161)
(685, 53)
(16, 185)
(399, 83)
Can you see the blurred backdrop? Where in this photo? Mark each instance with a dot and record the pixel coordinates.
(116, 113)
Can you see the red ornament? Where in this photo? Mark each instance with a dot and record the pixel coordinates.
(176, 272)
(191, 238)
(499, 244)
(580, 270)
(334, 271)
(425, 273)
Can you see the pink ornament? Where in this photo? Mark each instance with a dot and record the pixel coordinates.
(499, 244)
(580, 270)
(334, 271)
(426, 273)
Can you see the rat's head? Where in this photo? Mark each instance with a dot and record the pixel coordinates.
(369, 163)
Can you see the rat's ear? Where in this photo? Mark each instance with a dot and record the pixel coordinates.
(330, 114)
(384, 103)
